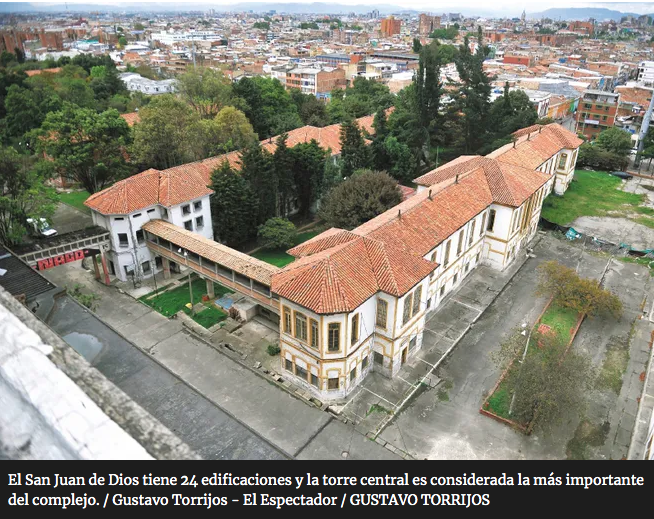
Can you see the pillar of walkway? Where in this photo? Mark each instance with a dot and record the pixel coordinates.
(105, 270)
(210, 291)
(165, 263)
(96, 268)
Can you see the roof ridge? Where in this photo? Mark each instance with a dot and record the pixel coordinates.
(369, 242)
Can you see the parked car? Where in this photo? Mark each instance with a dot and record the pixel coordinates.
(621, 174)
(40, 227)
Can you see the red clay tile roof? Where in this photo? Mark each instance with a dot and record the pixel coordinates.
(325, 240)
(509, 184)
(341, 278)
(122, 193)
(146, 189)
(237, 261)
(31, 73)
(407, 192)
(131, 118)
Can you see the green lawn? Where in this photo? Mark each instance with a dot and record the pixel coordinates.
(560, 319)
(171, 302)
(278, 257)
(76, 199)
(209, 316)
(500, 401)
(594, 193)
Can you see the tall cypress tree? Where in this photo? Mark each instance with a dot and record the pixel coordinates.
(379, 156)
(354, 151)
(257, 168)
(233, 207)
(283, 168)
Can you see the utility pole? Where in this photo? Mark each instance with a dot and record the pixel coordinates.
(644, 127)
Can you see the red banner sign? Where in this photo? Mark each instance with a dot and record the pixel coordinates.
(68, 257)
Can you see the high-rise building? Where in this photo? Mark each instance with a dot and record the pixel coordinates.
(390, 26)
(428, 23)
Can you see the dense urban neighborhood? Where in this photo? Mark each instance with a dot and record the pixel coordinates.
(296, 234)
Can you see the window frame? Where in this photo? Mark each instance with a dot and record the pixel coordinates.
(459, 245)
(330, 384)
(199, 222)
(299, 315)
(471, 237)
(355, 323)
(122, 244)
(287, 327)
(188, 222)
(381, 303)
(314, 335)
(448, 248)
(563, 158)
(492, 214)
(331, 327)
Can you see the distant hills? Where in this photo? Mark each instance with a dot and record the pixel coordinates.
(580, 13)
(260, 7)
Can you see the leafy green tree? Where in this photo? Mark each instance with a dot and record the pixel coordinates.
(364, 97)
(208, 91)
(85, 146)
(406, 126)
(6, 58)
(278, 233)
(449, 33)
(510, 112)
(360, 198)
(309, 25)
(233, 207)
(416, 45)
(257, 168)
(167, 135)
(24, 194)
(378, 155)
(139, 26)
(401, 164)
(26, 108)
(428, 90)
(551, 383)
(308, 168)
(122, 42)
(597, 158)
(268, 106)
(312, 111)
(354, 150)
(106, 84)
(230, 130)
(265, 26)
(614, 140)
(8, 78)
(88, 61)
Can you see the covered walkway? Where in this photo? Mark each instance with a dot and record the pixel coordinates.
(212, 261)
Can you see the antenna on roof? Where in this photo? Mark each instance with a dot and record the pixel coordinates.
(399, 213)
(429, 196)
(456, 179)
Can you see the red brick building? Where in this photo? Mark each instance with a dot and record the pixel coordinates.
(517, 59)
(390, 26)
(597, 112)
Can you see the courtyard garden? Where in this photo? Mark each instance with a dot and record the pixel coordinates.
(169, 302)
(544, 377)
(278, 256)
(596, 193)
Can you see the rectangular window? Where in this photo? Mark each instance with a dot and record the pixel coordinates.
(442, 292)
(122, 240)
(379, 358)
(314, 333)
(491, 221)
(188, 225)
(472, 233)
(197, 206)
(334, 337)
(483, 224)
(164, 214)
(119, 219)
(456, 278)
(353, 374)
(137, 215)
(332, 383)
(412, 343)
(186, 210)
(199, 222)
(287, 320)
(446, 258)
(364, 363)
(146, 266)
(382, 313)
(459, 246)
(406, 312)
(314, 380)
(150, 211)
(140, 237)
(417, 296)
(354, 335)
(477, 258)
(288, 364)
(301, 372)
(300, 326)
(562, 160)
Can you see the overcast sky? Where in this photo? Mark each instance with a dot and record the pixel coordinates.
(500, 6)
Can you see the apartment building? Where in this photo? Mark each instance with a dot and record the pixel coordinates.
(316, 81)
(597, 111)
(390, 26)
(427, 24)
(646, 73)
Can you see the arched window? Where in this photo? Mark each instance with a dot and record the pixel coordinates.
(562, 160)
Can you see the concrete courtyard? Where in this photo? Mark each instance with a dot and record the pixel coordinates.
(444, 422)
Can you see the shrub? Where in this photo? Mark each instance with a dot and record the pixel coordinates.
(273, 350)
(278, 233)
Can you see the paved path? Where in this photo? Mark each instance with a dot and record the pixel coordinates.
(292, 426)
